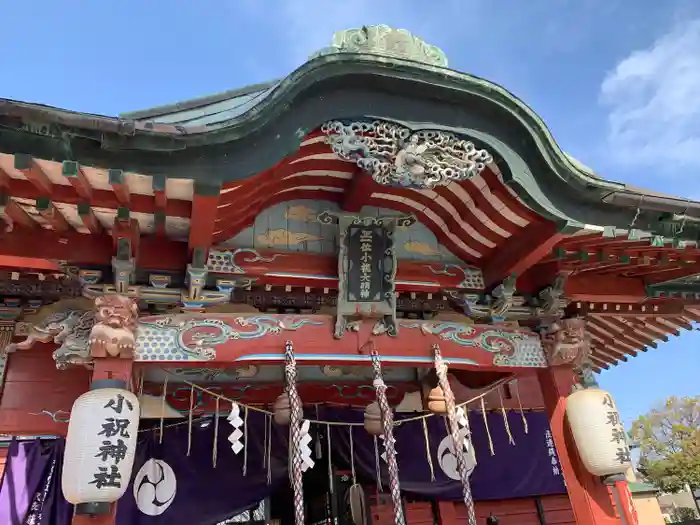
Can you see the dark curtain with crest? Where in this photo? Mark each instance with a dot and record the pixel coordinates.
(527, 467)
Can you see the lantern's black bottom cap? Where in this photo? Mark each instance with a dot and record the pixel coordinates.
(93, 509)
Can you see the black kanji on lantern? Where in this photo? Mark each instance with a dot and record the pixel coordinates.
(608, 401)
(116, 451)
(618, 435)
(115, 427)
(613, 418)
(623, 455)
(107, 477)
(117, 404)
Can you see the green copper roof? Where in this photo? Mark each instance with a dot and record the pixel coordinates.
(641, 488)
(373, 72)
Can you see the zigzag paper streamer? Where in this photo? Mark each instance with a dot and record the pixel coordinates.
(234, 418)
(305, 446)
(383, 455)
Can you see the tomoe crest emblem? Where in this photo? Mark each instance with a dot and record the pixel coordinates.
(448, 461)
(155, 486)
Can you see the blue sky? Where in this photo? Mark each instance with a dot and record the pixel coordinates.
(617, 81)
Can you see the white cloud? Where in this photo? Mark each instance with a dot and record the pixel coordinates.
(653, 96)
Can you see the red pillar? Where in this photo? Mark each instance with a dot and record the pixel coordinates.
(590, 498)
(107, 368)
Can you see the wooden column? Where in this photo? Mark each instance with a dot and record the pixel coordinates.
(7, 330)
(112, 342)
(590, 498)
(107, 368)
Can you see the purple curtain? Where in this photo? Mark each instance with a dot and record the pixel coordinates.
(527, 468)
(30, 493)
(168, 486)
(177, 489)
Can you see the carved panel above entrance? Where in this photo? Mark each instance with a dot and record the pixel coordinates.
(394, 155)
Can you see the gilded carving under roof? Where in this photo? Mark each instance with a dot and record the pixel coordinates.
(394, 155)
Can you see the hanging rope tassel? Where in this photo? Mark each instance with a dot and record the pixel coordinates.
(290, 370)
(426, 437)
(486, 426)
(520, 404)
(388, 427)
(505, 419)
(457, 439)
(162, 409)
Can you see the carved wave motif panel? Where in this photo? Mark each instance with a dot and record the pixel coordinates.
(260, 339)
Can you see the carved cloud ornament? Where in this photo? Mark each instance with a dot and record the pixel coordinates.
(397, 156)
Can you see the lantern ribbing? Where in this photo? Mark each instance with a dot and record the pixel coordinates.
(388, 425)
(441, 369)
(296, 416)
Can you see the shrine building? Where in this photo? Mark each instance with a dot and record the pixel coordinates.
(376, 291)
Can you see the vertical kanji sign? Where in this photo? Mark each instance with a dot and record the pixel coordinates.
(366, 269)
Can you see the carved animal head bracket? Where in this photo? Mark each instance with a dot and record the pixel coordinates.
(114, 331)
(567, 342)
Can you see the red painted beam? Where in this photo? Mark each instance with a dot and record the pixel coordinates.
(358, 192)
(29, 264)
(91, 250)
(204, 212)
(519, 253)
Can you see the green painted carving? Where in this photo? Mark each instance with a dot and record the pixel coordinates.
(386, 41)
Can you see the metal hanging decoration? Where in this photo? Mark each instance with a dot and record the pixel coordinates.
(458, 437)
(390, 451)
(297, 459)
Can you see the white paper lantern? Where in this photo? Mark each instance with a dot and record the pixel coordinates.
(598, 432)
(100, 446)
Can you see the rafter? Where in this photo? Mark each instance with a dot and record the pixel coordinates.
(24, 189)
(159, 196)
(52, 215)
(530, 246)
(89, 219)
(34, 174)
(16, 213)
(74, 173)
(120, 187)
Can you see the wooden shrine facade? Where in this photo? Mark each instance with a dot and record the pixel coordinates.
(200, 238)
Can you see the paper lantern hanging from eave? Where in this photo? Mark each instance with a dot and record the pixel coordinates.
(100, 446)
(598, 432)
